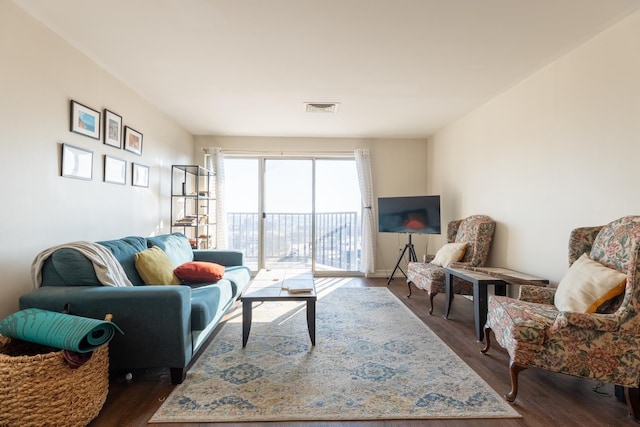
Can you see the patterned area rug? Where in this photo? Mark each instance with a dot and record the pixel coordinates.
(374, 359)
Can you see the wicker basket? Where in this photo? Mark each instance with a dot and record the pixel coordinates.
(38, 388)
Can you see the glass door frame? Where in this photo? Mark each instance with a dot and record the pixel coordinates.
(261, 160)
(262, 207)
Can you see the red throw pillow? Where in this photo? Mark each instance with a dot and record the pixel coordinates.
(199, 272)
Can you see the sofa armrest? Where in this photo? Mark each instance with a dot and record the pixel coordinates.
(156, 320)
(226, 257)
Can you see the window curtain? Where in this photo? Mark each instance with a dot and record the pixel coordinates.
(363, 166)
(214, 161)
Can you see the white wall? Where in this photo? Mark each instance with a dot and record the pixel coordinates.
(398, 169)
(558, 151)
(39, 74)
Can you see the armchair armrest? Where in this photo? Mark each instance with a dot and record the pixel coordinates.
(536, 294)
(427, 259)
(226, 257)
(593, 321)
(466, 264)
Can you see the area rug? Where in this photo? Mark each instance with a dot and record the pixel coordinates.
(373, 360)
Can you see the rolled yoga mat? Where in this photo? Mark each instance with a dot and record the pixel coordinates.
(58, 330)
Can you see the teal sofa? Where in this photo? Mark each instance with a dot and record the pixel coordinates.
(164, 326)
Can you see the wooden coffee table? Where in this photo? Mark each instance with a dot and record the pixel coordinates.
(280, 285)
(481, 277)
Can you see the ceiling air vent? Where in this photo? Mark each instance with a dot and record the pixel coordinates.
(321, 107)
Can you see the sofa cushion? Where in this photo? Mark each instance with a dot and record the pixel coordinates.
(175, 245)
(199, 272)
(239, 276)
(207, 302)
(125, 250)
(68, 267)
(155, 267)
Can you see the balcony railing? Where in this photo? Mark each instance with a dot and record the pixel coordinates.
(288, 239)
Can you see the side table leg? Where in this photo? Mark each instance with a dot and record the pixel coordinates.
(246, 321)
(448, 295)
(311, 320)
(480, 308)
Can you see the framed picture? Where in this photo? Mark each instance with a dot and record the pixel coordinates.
(85, 120)
(115, 170)
(112, 129)
(77, 162)
(132, 140)
(140, 175)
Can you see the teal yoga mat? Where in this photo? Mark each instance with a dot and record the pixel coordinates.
(58, 330)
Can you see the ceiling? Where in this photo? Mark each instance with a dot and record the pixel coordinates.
(398, 68)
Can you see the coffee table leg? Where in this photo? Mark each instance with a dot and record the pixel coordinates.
(246, 321)
(311, 320)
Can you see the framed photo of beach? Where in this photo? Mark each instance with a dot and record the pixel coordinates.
(112, 129)
(85, 120)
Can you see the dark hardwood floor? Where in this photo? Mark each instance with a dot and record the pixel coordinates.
(544, 399)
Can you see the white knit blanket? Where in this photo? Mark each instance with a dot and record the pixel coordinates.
(108, 270)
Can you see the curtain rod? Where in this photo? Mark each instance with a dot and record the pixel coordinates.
(286, 153)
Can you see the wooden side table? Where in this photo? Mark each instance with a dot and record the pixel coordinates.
(480, 278)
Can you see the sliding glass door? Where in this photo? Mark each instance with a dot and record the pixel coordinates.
(337, 216)
(287, 217)
(294, 213)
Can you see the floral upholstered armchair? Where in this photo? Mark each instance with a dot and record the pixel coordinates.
(591, 335)
(476, 233)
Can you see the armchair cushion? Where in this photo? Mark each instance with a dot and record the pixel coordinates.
(424, 274)
(155, 267)
(451, 252)
(526, 322)
(587, 285)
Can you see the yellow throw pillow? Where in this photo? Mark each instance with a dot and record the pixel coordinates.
(155, 267)
(587, 285)
(451, 252)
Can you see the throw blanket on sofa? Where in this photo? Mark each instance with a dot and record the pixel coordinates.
(108, 270)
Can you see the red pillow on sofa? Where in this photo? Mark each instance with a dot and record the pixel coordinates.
(199, 272)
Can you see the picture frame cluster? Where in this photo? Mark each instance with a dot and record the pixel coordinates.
(77, 162)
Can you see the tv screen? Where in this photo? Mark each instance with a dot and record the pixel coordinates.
(417, 214)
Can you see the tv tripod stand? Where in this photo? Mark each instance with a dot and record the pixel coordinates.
(412, 258)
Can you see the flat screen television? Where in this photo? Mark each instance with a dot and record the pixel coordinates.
(414, 215)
